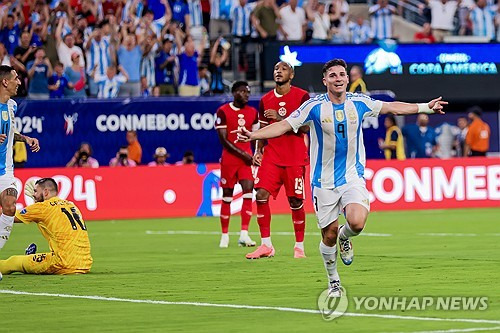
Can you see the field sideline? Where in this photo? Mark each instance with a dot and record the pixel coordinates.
(170, 275)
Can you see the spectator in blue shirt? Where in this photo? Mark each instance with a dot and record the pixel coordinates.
(180, 13)
(189, 59)
(58, 81)
(420, 138)
(164, 67)
(129, 56)
(39, 71)
(10, 34)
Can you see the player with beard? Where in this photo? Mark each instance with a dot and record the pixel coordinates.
(282, 161)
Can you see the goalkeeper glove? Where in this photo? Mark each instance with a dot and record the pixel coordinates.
(29, 189)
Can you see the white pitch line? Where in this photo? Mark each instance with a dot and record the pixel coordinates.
(447, 234)
(276, 233)
(249, 307)
(476, 329)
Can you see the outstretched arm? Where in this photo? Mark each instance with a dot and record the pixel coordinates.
(272, 131)
(32, 142)
(230, 147)
(401, 108)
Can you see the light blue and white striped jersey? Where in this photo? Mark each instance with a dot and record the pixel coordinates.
(99, 55)
(381, 20)
(108, 88)
(337, 152)
(8, 112)
(483, 22)
(195, 13)
(241, 20)
(220, 9)
(359, 33)
(127, 10)
(148, 67)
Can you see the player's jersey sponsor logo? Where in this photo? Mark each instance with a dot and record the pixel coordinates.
(5, 115)
(339, 115)
(282, 111)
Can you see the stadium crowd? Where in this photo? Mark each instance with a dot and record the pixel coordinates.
(130, 48)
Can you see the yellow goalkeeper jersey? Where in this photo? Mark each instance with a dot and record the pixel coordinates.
(61, 223)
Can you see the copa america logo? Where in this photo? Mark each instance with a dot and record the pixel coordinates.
(332, 307)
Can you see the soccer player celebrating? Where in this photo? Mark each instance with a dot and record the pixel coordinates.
(338, 158)
(236, 161)
(9, 83)
(282, 161)
(61, 223)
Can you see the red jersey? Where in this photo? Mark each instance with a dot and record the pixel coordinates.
(290, 148)
(230, 118)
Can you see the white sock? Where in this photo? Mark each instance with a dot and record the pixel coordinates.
(329, 255)
(300, 245)
(225, 236)
(243, 234)
(6, 223)
(266, 241)
(347, 232)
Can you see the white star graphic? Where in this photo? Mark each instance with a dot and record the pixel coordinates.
(290, 57)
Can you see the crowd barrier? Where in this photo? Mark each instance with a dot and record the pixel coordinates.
(193, 190)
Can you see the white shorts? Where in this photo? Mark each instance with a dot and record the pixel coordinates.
(7, 181)
(330, 202)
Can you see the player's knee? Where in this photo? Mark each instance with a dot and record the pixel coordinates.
(330, 235)
(295, 203)
(357, 222)
(262, 196)
(9, 208)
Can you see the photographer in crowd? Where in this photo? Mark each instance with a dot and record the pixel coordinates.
(83, 158)
(121, 159)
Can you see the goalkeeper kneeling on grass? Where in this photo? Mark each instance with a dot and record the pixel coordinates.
(61, 223)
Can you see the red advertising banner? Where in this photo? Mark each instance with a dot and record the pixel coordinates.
(193, 190)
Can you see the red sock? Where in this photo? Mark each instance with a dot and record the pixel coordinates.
(225, 214)
(299, 223)
(264, 219)
(246, 213)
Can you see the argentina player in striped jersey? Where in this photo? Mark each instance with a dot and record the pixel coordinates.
(337, 157)
(9, 83)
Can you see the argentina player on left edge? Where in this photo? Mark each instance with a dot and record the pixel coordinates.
(9, 83)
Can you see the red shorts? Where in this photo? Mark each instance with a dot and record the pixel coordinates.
(271, 176)
(231, 174)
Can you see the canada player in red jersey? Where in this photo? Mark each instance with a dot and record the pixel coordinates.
(282, 161)
(237, 160)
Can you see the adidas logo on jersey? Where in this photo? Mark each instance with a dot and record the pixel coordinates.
(327, 120)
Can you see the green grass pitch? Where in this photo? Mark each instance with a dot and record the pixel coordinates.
(130, 263)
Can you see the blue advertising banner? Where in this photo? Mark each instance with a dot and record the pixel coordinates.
(414, 72)
(178, 124)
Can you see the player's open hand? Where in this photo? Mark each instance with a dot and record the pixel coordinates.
(29, 189)
(3, 137)
(33, 143)
(437, 105)
(257, 158)
(242, 135)
(272, 114)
